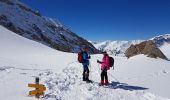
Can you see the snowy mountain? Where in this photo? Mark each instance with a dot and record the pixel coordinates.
(161, 39)
(116, 48)
(28, 23)
(21, 60)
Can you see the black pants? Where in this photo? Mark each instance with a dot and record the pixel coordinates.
(104, 75)
(85, 72)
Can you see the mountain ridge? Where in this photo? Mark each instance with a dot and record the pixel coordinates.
(19, 18)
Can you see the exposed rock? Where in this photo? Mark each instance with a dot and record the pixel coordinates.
(147, 48)
(35, 37)
(9, 2)
(19, 18)
(29, 10)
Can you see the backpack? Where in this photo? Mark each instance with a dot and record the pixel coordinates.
(111, 61)
(80, 57)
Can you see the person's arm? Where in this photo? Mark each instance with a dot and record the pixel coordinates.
(89, 57)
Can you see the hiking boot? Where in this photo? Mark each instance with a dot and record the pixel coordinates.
(84, 79)
(102, 82)
(106, 82)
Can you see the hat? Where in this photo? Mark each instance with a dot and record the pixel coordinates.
(104, 52)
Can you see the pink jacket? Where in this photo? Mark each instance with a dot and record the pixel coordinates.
(105, 63)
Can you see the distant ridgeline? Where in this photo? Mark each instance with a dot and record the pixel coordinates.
(118, 48)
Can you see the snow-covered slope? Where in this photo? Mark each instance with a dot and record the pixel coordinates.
(21, 60)
(165, 48)
(26, 22)
(116, 48)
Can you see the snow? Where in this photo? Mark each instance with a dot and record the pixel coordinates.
(165, 49)
(116, 48)
(165, 36)
(161, 39)
(21, 60)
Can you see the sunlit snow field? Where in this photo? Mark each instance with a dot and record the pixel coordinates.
(21, 60)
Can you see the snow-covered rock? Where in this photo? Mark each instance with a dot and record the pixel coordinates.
(161, 39)
(29, 23)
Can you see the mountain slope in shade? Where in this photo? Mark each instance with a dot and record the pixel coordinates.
(28, 23)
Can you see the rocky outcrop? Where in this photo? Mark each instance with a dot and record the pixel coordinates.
(147, 48)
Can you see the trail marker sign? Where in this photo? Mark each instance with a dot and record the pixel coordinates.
(39, 89)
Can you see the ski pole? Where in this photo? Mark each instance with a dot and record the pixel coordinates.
(114, 77)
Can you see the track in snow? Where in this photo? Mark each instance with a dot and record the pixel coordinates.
(68, 85)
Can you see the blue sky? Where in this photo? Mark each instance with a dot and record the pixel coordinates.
(100, 20)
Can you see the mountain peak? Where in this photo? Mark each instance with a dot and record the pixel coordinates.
(161, 39)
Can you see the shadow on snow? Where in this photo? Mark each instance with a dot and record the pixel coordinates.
(124, 86)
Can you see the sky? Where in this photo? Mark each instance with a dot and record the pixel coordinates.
(100, 20)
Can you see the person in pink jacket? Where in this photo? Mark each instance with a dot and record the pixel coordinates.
(105, 65)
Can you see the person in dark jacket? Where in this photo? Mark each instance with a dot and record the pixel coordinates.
(85, 63)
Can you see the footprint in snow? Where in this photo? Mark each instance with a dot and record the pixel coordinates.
(6, 68)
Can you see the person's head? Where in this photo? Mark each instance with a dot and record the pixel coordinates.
(85, 49)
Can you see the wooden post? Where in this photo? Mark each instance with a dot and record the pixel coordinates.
(37, 82)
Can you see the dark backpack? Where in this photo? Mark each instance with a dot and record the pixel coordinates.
(111, 61)
(80, 57)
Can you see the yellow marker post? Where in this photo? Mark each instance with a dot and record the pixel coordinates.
(39, 89)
